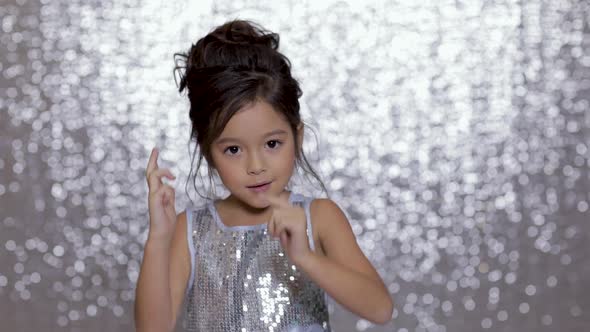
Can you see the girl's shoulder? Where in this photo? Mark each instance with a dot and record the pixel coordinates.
(326, 207)
(320, 207)
(330, 213)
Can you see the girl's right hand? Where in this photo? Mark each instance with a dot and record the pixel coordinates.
(160, 200)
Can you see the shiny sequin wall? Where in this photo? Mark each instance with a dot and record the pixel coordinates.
(455, 134)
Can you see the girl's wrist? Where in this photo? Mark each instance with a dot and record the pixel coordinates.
(302, 260)
(159, 240)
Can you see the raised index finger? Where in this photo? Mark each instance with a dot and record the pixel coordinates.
(153, 161)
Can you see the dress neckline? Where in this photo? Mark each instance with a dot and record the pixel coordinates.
(213, 210)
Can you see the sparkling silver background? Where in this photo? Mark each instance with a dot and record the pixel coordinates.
(455, 134)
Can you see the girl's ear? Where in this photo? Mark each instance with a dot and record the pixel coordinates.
(300, 136)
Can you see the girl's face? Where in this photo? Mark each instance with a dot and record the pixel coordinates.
(255, 154)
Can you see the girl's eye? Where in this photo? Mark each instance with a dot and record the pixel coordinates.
(232, 150)
(273, 144)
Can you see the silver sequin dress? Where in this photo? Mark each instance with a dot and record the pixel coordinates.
(241, 279)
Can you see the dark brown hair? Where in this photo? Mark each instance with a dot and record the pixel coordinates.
(236, 64)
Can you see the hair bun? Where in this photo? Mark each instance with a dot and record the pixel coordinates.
(243, 32)
(237, 45)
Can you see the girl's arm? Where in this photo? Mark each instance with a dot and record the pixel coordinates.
(345, 273)
(162, 280)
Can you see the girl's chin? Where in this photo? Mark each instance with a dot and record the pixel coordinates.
(260, 202)
(254, 201)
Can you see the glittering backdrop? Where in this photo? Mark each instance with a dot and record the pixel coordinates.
(454, 133)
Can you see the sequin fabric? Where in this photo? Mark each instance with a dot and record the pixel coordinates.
(244, 281)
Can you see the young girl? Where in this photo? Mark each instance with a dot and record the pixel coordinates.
(263, 258)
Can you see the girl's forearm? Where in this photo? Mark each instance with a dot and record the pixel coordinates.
(153, 309)
(360, 294)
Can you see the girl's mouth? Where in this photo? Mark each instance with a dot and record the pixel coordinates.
(260, 188)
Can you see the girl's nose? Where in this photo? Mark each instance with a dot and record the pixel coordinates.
(255, 165)
(256, 171)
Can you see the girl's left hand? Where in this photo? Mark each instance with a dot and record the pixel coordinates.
(289, 224)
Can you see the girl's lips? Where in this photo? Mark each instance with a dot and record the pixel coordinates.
(261, 188)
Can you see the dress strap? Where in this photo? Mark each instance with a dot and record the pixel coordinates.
(306, 204)
(193, 217)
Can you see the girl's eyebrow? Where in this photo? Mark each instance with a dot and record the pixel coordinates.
(231, 139)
